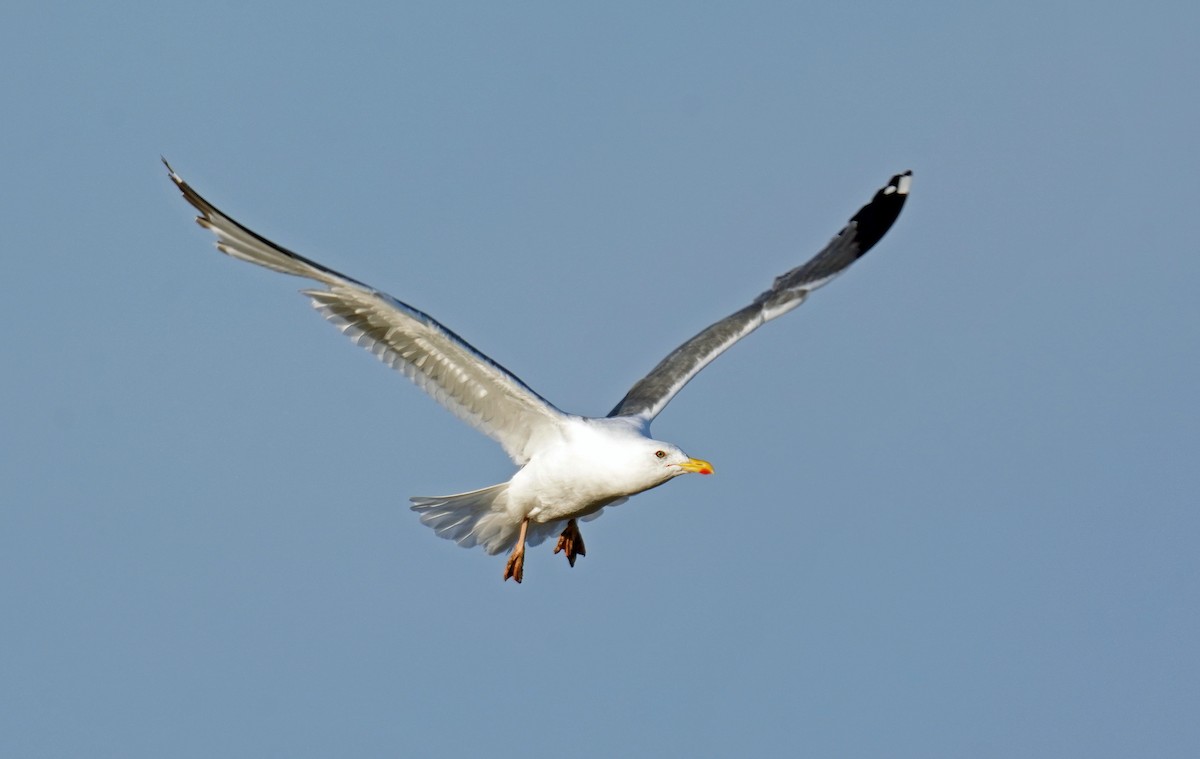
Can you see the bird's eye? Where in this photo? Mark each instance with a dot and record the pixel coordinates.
(661, 454)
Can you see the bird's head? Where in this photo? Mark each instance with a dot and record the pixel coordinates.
(672, 461)
(625, 460)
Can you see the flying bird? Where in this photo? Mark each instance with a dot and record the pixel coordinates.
(571, 467)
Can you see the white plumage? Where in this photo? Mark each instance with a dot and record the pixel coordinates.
(571, 466)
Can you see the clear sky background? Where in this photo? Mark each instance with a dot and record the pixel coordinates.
(954, 511)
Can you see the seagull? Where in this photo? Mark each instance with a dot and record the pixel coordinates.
(571, 467)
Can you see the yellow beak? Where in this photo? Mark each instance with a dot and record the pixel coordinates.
(697, 466)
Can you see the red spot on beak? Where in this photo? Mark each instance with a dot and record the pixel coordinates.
(697, 466)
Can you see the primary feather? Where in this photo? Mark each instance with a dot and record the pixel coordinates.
(650, 395)
(468, 383)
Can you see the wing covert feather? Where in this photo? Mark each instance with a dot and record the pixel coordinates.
(649, 395)
(468, 383)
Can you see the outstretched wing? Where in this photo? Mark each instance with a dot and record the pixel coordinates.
(477, 389)
(653, 392)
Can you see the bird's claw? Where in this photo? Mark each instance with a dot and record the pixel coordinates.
(515, 566)
(571, 542)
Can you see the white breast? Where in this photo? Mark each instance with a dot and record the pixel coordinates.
(594, 464)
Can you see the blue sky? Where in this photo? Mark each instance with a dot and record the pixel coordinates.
(954, 510)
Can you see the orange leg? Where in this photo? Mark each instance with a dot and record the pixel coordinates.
(515, 568)
(571, 542)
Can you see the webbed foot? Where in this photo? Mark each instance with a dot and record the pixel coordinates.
(571, 542)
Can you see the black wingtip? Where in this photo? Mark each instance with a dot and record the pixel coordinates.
(875, 218)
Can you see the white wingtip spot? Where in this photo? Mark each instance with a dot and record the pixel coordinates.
(905, 183)
(171, 172)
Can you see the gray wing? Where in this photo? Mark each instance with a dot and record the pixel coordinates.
(653, 392)
(468, 383)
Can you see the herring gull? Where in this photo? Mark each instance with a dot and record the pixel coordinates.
(571, 466)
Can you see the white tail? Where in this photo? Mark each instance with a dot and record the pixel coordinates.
(479, 517)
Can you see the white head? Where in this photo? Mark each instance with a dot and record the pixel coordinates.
(620, 459)
(659, 461)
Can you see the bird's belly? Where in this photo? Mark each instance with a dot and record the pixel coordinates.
(545, 498)
(552, 512)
